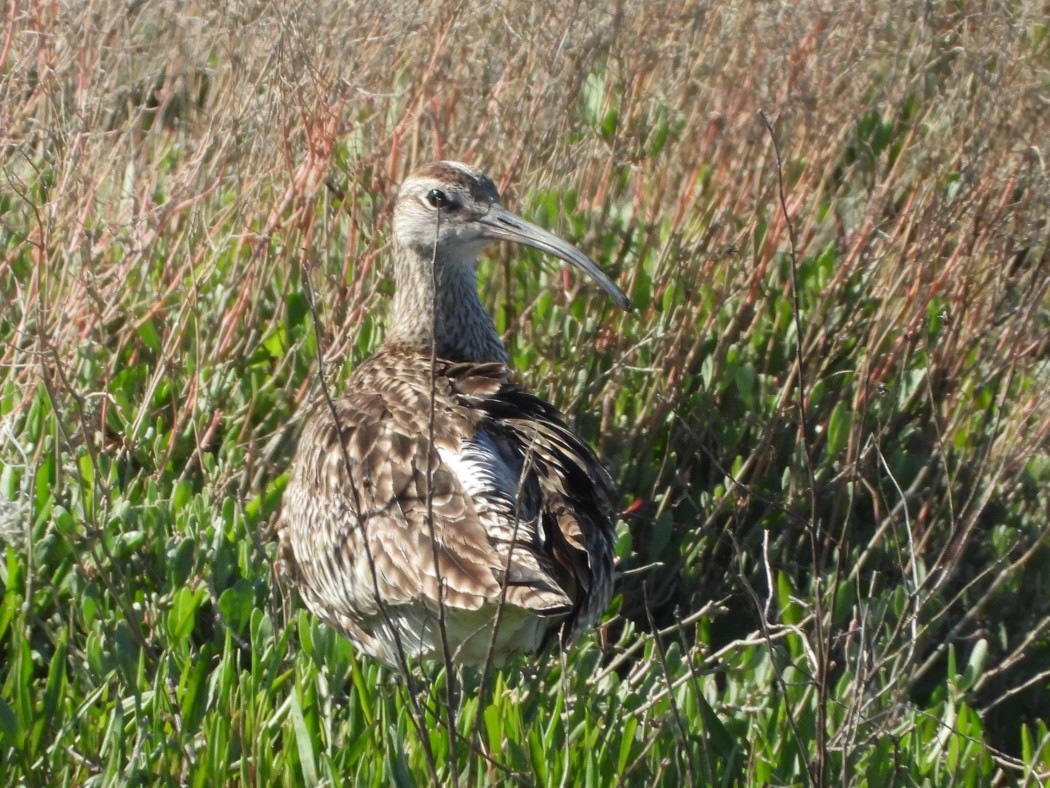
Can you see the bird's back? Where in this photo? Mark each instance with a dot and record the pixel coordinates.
(454, 484)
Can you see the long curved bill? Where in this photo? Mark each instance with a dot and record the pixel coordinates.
(499, 224)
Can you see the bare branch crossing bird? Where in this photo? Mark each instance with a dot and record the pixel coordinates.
(435, 477)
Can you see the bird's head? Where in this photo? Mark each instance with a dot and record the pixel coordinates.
(449, 211)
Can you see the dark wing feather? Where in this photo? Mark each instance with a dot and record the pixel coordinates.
(576, 490)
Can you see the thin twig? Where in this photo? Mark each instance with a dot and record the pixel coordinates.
(819, 764)
(450, 676)
(418, 719)
(679, 722)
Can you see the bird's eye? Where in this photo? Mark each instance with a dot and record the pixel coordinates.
(438, 199)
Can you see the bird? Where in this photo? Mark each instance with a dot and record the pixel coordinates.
(435, 509)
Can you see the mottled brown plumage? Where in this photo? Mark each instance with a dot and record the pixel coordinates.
(446, 480)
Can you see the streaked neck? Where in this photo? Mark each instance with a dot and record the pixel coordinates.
(456, 317)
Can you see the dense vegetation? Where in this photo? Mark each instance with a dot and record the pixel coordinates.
(833, 571)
